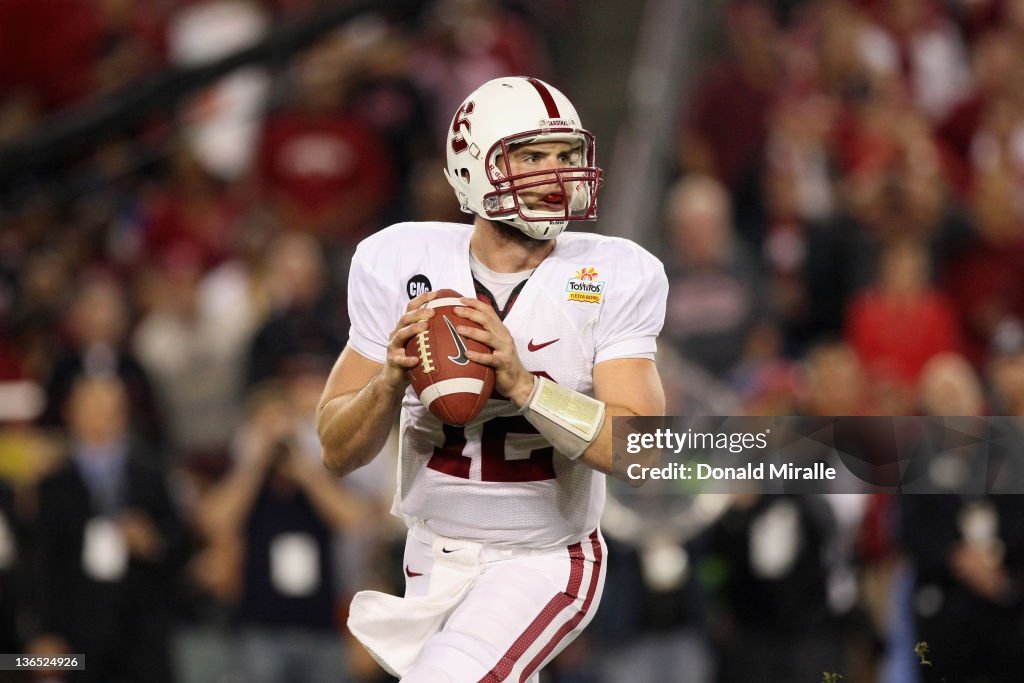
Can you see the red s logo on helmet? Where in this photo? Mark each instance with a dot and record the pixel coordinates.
(461, 120)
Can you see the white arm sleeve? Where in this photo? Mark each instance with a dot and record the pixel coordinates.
(370, 307)
(634, 312)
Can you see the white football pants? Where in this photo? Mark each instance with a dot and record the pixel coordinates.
(475, 613)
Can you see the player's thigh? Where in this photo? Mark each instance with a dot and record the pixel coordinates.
(519, 614)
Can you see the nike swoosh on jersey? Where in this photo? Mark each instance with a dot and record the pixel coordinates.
(537, 347)
(462, 358)
(411, 574)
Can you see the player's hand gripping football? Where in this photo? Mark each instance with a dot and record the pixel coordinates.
(511, 378)
(411, 323)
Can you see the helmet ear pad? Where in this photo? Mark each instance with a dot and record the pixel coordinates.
(500, 115)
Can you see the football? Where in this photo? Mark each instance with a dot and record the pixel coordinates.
(452, 387)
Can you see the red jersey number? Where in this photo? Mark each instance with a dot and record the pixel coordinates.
(494, 463)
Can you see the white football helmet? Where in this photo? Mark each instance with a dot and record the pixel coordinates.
(511, 111)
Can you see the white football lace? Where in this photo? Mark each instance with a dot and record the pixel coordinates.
(425, 360)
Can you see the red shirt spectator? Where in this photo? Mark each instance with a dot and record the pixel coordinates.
(326, 174)
(900, 323)
(986, 278)
(194, 214)
(997, 61)
(728, 123)
(897, 337)
(323, 169)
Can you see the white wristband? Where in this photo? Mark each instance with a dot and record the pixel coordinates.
(568, 419)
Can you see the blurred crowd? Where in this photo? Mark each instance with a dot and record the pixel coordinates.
(852, 173)
(844, 237)
(842, 233)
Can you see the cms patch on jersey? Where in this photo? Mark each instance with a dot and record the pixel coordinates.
(450, 385)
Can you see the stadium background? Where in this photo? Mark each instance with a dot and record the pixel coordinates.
(835, 187)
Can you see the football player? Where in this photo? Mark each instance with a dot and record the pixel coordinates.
(504, 559)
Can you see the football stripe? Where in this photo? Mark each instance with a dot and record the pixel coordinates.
(444, 301)
(456, 385)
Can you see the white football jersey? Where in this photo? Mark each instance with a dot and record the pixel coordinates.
(496, 480)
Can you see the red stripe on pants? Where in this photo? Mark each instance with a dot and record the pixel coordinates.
(574, 622)
(555, 606)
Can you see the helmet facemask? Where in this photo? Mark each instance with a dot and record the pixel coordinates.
(577, 184)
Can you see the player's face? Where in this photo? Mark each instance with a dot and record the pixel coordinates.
(547, 194)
